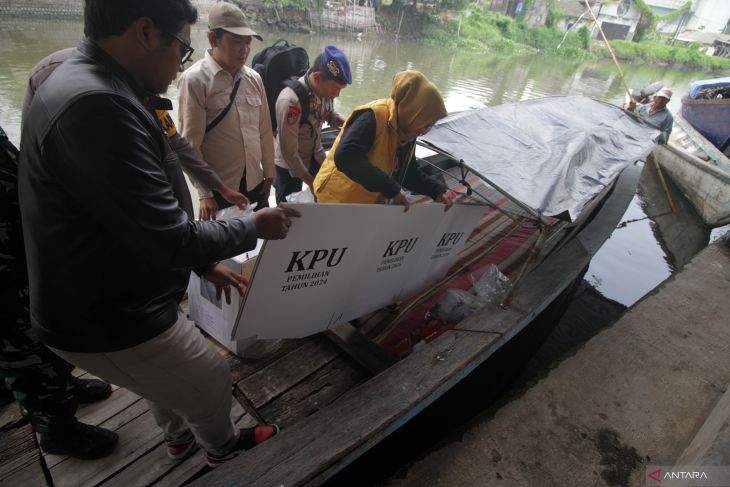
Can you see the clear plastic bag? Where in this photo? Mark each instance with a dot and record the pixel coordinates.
(490, 285)
(454, 306)
(304, 196)
(235, 212)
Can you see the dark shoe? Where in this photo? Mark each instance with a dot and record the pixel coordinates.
(82, 441)
(179, 449)
(6, 397)
(90, 390)
(247, 439)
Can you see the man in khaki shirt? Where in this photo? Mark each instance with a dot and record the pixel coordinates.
(240, 146)
(299, 151)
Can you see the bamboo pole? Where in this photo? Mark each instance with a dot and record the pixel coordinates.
(610, 50)
(397, 35)
(664, 184)
(631, 97)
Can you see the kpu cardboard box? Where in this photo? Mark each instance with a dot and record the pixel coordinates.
(215, 316)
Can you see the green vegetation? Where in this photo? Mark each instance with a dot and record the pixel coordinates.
(659, 53)
(282, 4)
(646, 29)
(482, 30)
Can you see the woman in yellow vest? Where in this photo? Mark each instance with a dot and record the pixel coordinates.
(373, 154)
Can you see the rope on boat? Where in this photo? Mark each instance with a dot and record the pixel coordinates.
(624, 224)
(535, 252)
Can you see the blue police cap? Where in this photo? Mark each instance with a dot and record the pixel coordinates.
(336, 66)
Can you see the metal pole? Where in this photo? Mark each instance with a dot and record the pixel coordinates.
(529, 210)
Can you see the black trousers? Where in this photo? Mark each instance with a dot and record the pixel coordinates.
(286, 184)
(254, 196)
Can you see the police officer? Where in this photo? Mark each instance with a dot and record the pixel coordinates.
(299, 151)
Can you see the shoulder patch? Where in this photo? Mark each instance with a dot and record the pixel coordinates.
(168, 126)
(293, 114)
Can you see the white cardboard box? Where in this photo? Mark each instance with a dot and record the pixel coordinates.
(217, 317)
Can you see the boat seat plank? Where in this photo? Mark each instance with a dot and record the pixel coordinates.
(20, 459)
(270, 382)
(363, 350)
(244, 367)
(98, 412)
(319, 390)
(9, 414)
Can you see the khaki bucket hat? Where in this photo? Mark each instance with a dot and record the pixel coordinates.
(226, 16)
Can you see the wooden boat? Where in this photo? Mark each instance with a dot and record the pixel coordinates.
(695, 164)
(699, 169)
(707, 109)
(339, 393)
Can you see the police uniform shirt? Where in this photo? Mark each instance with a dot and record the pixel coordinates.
(297, 143)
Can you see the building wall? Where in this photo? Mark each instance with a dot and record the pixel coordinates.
(710, 15)
(609, 14)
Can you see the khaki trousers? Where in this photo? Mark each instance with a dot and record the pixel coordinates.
(186, 383)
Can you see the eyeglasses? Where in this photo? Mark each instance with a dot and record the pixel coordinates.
(187, 50)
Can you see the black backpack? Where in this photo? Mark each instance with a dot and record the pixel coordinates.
(280, 65)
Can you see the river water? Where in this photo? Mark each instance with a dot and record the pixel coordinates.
(638, 255)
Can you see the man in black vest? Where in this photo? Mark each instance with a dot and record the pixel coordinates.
(108, 226)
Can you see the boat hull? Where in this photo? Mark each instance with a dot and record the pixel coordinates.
(705, 185)
(711, 118)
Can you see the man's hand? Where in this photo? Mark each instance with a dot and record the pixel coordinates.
(400, 199)
(446, 200)
(631, 106)
(233, 197)
(208, 208)
(266, 188)
(273, 223)
(338, 121)
(309, 181)
(223, 278)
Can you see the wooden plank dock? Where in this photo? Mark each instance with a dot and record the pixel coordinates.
(292, 383)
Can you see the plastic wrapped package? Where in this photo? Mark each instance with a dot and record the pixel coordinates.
(490, 285)
(304, 196)
(454, 306)
(235, 212)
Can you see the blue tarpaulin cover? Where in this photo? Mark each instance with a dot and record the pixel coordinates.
(552, 154)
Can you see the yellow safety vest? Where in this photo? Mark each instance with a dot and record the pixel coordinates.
(333, 186)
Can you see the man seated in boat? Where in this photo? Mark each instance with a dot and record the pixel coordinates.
(372, 158)
(656, 113)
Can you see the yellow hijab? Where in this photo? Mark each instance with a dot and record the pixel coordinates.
(418, 102)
